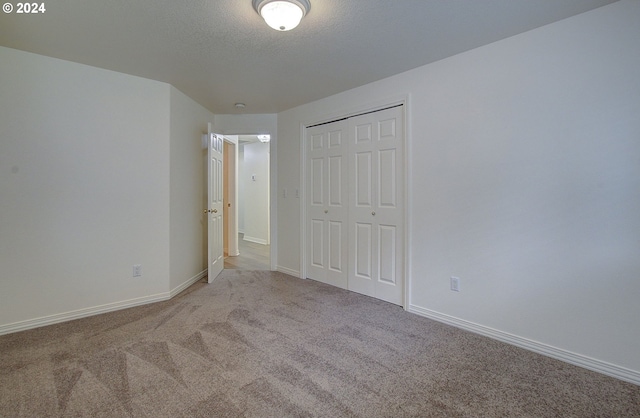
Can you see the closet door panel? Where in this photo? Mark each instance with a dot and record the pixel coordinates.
(363, 190)
(363, 251)
(377, 250)
(387, 179)
(317, 243)
(335, 181)
(317, 182)
(387, 254)
(327, 204)
(336, 254)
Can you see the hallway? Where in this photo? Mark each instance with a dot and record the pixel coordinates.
(252, 256)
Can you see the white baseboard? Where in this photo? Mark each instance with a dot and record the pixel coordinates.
(256, 240)
(81, 313)
(599, 366)
(288, 271)
(188, 283)
(96, 310)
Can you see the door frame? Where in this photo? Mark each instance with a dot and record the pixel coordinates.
(273, 190)
(405, 101)
(230, 184)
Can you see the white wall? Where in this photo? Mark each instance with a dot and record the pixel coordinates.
(248, 124)
(255, 198)
(98, 171)
(188, 189)
(84, 157)
(524, 157)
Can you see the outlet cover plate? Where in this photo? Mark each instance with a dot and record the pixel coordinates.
(455, 284)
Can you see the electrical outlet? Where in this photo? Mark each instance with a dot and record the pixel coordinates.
(455, 284)
(137, 270)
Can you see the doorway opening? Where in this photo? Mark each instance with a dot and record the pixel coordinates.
(247, 226)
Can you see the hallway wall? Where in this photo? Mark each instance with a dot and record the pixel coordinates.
(255, 192)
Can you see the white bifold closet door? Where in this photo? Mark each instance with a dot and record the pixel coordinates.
(376, 205)
(355, 195)
(327, 203)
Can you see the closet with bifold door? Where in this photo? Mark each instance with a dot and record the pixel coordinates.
(354, 194)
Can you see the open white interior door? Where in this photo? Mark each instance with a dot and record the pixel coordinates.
(215, 202)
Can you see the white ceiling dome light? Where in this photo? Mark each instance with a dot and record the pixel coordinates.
(282, 15)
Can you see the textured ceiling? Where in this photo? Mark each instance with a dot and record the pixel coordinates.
(220, 51)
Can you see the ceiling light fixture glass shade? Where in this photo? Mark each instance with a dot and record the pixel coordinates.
(282, 15)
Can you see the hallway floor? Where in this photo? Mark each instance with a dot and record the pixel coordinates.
(252, 256)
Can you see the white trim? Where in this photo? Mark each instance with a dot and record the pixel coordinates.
(302, 202)
(408, 219)
(256, 240)
(176, 290)
(273, 199)
(580, 360)
(81, 313)
(97, 310)
(289, 271)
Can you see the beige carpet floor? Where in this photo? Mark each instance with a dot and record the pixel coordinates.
(263, 344)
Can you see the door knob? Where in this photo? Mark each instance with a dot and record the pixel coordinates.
(215, 211)
(326, 211)
(373, 213)
(205, 211)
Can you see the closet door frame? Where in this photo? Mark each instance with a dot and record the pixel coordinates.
(405, 102)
